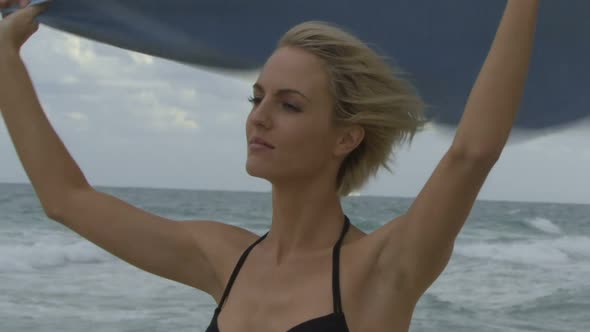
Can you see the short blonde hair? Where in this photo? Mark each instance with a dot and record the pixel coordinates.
(367, 91)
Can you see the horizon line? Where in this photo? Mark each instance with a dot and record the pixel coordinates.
(356, 194)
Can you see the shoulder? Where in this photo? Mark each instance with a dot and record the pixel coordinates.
(221, 245)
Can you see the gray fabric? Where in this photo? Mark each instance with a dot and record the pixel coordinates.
(441, 44)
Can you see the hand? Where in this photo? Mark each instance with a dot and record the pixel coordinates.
(10, 3)
(16, 28)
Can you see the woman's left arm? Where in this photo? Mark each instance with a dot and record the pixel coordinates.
(421, 241)
(496, 96)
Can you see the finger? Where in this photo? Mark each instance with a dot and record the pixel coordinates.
(5, 4)
(23, 3)
(34, 10)
(13, 5)
(8, 3)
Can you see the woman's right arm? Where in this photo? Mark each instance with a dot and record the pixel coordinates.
(182, 251)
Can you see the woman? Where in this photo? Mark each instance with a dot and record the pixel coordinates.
(326, 113)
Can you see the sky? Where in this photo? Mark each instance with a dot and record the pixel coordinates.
(136, 121)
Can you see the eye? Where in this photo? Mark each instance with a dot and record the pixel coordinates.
(291, 107)
(254, 100)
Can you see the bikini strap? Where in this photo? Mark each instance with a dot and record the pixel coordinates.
(237, 270)
(336, 268)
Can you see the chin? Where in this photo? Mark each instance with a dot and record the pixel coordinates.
(256, 170)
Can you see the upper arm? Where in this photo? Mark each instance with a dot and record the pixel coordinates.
(185, 252)
(420, 242)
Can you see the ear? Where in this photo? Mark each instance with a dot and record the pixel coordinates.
(348, 139)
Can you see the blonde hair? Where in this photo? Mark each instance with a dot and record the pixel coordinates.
(367, 91)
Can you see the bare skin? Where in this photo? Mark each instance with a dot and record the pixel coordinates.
(264, 298)
(286, 279)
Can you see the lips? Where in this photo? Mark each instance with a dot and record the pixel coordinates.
(258, 140)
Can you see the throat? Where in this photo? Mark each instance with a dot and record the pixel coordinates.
(293, 259)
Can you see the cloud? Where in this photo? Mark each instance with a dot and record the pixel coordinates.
(79, 51)
(141, 59)
(131, 119)
(124, 92)
(77, 116)
(161, 117)
(77, 121)
(69, 80)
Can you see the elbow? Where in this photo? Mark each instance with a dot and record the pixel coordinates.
(58, 204)
(56, 207)
(53, 211)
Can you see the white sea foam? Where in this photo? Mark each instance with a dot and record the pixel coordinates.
(544, 225)
(40, 255)
(537, 252)
(573, 245)
(518, 252)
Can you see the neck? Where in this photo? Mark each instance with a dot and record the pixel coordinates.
(306, 219)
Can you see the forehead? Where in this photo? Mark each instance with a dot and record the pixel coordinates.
(293, 68)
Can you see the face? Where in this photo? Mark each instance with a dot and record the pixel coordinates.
(291, 110)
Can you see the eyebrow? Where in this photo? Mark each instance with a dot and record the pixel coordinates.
(282, 91)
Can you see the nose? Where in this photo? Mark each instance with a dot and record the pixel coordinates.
(260, 115)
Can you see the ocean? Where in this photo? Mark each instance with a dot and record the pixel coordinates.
(516, 266)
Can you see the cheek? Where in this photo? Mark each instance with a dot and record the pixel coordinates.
(309, 143)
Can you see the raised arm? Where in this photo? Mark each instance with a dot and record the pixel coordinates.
(186, 252)
(420, 242)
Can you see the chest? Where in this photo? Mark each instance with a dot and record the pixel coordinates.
(262, 299)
